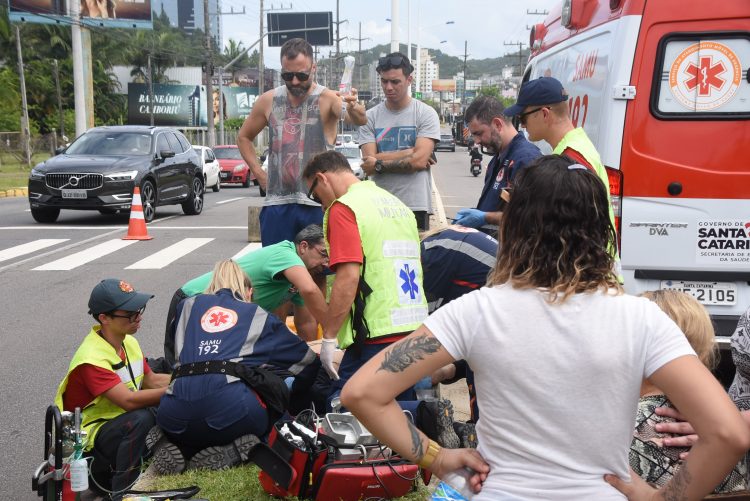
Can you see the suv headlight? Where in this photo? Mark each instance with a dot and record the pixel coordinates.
(121, 176)
(239, 167)
(36, 174)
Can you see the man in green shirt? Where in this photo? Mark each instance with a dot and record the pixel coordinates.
(280, 273)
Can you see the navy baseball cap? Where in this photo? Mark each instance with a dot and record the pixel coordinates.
(543, 90)
(113, 294)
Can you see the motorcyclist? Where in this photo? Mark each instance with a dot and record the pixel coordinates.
(475, 152)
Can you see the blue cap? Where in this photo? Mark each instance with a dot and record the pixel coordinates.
(113, 294)
(543, 90)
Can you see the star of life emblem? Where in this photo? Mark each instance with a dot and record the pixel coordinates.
(218, 319)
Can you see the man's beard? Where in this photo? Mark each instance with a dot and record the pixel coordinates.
(299, 90)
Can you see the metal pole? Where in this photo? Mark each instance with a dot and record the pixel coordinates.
(209, 77)
(394, 26)
(150, 78)
(463, 91)
(261, 70)
(25, 139)
(418, 80)
(221, 105)
(59, 98)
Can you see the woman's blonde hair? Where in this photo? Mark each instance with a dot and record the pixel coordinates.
(228, 275)
(692, 318)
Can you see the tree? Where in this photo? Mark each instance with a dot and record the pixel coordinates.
(491, 91)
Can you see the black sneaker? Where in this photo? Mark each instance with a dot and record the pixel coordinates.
(467, 433)
(168, 458)
(221, 457)
(435, 419)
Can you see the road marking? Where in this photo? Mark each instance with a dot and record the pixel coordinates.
(170, 254)
(86, 256)
(246, 249)
(28, 248)
(231, 200)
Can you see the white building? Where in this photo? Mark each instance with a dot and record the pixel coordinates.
(429, 70)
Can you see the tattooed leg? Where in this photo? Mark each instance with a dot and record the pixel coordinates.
(404, 353)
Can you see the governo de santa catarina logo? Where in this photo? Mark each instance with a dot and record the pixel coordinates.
(705, 76)
(218, 319)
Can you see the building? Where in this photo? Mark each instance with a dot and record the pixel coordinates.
(188, 15)
(429, 70)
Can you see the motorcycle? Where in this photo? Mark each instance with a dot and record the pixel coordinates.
(476, 166)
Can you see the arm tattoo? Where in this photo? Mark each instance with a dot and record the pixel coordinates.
(675, 489)
(399, 166)
(416, 442)
(403, 354)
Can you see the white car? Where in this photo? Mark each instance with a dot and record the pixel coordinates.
(210, 167)
(354, 156)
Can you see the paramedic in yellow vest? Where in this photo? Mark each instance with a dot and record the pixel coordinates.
(542, 109)
(110, 381)
(377, 296)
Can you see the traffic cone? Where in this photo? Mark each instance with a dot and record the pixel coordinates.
(137, 225)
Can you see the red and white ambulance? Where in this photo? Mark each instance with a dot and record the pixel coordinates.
(662, 89)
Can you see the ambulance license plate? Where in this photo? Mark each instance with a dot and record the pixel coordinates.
(711, 293)
(81, 194)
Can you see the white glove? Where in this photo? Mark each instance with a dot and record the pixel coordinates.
(327, 350)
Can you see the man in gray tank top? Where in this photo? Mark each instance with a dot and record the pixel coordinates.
(302, 118)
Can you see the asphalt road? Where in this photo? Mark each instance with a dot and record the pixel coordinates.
(45, 287)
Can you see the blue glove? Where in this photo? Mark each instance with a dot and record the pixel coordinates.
(471, 218)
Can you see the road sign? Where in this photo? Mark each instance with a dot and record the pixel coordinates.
(418, 95)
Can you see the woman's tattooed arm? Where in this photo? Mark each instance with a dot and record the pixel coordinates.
(404, 353)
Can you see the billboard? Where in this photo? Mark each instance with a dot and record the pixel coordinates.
(107, 13)
(315, 27)
(444, 85)
(185, 105)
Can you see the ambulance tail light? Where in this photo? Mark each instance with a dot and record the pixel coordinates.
(615, 194)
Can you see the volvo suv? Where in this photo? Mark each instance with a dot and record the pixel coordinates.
(101, 168)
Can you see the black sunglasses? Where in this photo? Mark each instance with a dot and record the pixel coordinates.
(311, 194)
(132, 317)
(390, 62)
(288, 76)
(522, 116)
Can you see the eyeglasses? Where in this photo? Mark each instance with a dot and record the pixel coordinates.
(311, 194)
(288, 76)
(522, 116)
(323, 252)
(391, 62)
(132, 317)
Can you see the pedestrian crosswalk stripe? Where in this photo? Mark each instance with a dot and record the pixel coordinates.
(248, 248)
(172, 253)
(86, 256)
(28, 248)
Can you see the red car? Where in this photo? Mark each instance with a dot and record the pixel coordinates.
(233, 167)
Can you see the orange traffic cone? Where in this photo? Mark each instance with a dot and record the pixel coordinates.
(137, 225)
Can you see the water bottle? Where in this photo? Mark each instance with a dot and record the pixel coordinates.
(345, 87)
(454, 486)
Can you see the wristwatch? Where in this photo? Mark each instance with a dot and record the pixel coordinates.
(379, 166)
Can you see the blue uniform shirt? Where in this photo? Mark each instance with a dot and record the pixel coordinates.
(503, 168)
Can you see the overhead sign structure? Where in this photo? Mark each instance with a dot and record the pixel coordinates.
(110, 14)
(315, 27)
(183, 105)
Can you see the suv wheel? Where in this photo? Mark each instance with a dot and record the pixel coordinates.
(194, 204)
(217, 186)
(45, 215)
(148, 200)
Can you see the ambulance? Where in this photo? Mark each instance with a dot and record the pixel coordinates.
(662, 89)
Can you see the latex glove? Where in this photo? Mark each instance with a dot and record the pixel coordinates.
(471, 218)
(327, 350)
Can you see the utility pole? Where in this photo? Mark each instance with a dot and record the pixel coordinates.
(463, 91)
(222, 100)
(520, 54)
(261, 69)
(209, 78)
(394, 26)
(359, 57)
(58, 91)
(25, 139)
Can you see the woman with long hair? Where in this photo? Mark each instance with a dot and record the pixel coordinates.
(559, 353)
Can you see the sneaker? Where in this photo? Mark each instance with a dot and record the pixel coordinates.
(435, 419)
(467, 433)
(221, 457)
(168, 458)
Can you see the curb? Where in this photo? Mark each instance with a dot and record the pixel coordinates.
(14, 192)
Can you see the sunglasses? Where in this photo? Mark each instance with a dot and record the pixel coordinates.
(522, 116)
(311, 194)
(390, 62)
(132, 316)
(288, 76)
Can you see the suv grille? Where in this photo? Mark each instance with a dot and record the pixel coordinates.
(81, 181)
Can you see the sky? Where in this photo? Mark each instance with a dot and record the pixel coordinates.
(485, 25)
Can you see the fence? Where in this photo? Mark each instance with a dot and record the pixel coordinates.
(11, 146)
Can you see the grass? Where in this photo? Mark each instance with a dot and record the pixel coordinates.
(235, 484)
(15, 174)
